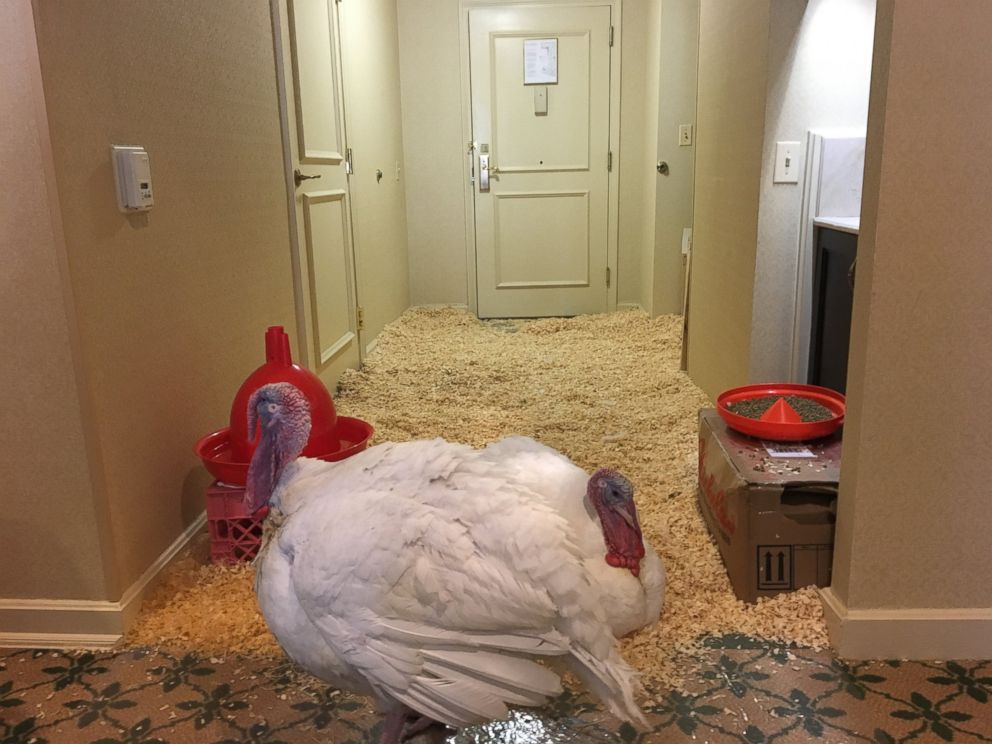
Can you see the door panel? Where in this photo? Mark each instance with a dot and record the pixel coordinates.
(315, 71)
(526, 142)
(326, 237)
(326, 260)
(542, 228)
(545, 219)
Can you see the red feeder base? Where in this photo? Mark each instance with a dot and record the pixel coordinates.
(235, 535)
(781, 423)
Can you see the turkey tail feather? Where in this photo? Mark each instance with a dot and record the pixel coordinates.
(613, 681)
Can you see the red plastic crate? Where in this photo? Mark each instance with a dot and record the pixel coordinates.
(235, 535)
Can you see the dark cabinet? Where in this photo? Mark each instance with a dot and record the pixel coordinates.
(833, 296)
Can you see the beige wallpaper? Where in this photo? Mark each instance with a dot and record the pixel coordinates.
(172, 306)
(638, 128)
(733, 47)
(372, 91)
(677, 105)
(49, 531)
(430, 86)
(915, 516)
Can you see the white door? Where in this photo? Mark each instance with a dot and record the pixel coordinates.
(326, 261)
(540, 80)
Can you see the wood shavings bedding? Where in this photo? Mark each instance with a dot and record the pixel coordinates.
(605, 390)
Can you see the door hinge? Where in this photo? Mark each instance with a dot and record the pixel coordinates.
(607, 277)
(349, 165)
(360, 312)
(611, 35)
(609, 161)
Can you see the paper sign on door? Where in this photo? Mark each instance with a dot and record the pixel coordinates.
(540, 61)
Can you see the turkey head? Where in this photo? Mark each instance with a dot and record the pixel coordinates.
(282, 414)
(612, 496)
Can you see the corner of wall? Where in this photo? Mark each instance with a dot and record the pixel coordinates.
(844, 548)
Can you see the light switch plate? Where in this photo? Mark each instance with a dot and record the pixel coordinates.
(786, 162)
(541, 100)
(685, 135)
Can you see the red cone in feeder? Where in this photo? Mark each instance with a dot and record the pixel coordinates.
(781, 413)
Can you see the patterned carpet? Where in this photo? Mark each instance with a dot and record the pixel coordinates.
(740, 690)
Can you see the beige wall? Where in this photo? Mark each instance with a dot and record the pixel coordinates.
(638, 134)
(50, 530)
(676, 105)
(733, 48)
(819, 65)
(372, 99)
(171, 306)
(914, 513)
(436, 160)
(434, 153)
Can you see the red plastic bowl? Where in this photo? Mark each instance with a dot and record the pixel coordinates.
(215, 450)
(777, 430)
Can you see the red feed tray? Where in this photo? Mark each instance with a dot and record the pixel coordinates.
(779, 424)
(215, 449)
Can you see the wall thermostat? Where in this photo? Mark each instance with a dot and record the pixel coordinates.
(133, 176)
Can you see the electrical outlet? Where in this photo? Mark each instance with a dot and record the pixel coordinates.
(786, 162)
(397, 170)
(685, 135)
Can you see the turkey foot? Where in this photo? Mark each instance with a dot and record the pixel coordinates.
(422, 724)
(396, 731)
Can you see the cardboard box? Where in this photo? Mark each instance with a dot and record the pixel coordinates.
(771, 516)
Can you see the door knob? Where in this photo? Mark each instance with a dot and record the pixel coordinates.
(301, 177)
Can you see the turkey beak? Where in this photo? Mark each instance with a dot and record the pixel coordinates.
(627, 517)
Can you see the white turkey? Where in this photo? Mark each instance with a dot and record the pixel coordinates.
(427, 575)
(634, 597)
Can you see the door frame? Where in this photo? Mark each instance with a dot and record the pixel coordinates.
(468, 180)
(306, 354)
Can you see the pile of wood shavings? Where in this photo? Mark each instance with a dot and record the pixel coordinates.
(606, 390)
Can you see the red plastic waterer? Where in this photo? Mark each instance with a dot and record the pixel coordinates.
(235, 535)
(227, 452)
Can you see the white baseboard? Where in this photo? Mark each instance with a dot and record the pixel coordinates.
(64, 641)
(922, 634)
(83, 623)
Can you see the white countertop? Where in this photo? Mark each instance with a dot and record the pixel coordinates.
(844, 224)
